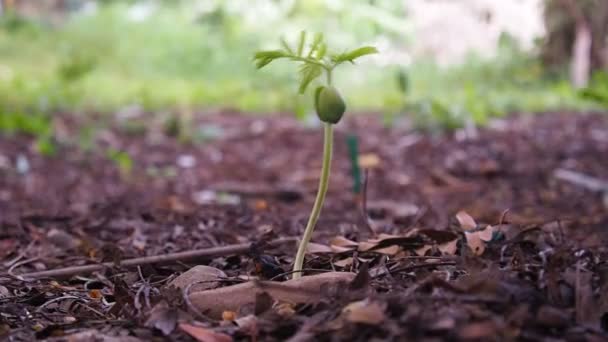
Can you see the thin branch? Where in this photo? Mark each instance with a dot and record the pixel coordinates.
(149, 260)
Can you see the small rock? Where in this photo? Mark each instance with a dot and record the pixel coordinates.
(205, 278)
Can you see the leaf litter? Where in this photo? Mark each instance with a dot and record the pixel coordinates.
(483, 238)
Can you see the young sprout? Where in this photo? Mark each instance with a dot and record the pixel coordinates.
(329, 105)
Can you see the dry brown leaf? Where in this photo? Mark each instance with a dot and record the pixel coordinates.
(392, 250)
(338, 249)
(162, 318)
(260, 205)
(449, 247)
(307, 289)
(341, 244)
(478, 331)
(475, 243)
(422, 250)
(384, 236)
(365, 312)
(229, 315)
(95, 294)
(285, 309)
(344, 262)
(369, 160)
(486, 234)
(203, 334)
(366, 246)
(341, 241)
(314, 248)
(465, 220)
(248, 325)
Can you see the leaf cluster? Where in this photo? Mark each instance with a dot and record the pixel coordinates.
(312, 55)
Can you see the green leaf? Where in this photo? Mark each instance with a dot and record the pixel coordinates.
(315, 43)
(350, 56)
(45, 146)
(286, 45)
(321, 51)
(301, 43)
(308, 72)
(263, 58)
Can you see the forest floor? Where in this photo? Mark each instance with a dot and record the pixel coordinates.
(495, 234)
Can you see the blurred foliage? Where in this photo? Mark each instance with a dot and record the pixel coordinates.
(122, 160)
(597, 90)
(170, 55)
(479, 89)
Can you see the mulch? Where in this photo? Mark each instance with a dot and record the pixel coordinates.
(542, 276)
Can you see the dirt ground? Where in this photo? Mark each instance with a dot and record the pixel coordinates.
(531, 267)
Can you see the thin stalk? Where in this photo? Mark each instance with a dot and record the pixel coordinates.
(316, 209)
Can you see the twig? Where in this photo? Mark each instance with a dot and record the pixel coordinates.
(582, 180)
(149, 260)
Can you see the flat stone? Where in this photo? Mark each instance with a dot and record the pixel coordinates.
(205, 277)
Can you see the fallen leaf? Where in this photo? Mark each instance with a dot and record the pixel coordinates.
(392, 250)
(422, 250)
(449, 247)
(341, 244)
(7, 246)
(162, 318)
(475, 243)
(228, 315)
(368, 160)
(248, 325)
(465, 220)
(285, 309)
(95, 294)
(260, 205)
(341, 241)
(314, 248)
(486, 234)
(344, 262)
(203, 334)
(365, 312)
(478, 330)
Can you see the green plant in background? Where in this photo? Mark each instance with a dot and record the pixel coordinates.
(122, 159)
(597, 90)
(314, 61)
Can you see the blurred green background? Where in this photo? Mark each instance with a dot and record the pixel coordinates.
(103, 56)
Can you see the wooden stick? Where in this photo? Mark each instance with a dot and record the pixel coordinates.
(149, 260)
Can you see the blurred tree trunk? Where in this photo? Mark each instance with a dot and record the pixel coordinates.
(577, 34)
(53, 11)
(6, 6)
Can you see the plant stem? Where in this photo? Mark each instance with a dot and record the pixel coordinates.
(316, 209)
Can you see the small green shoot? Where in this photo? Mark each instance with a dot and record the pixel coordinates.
(315, 60)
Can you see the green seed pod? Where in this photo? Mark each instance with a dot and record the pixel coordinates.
(329, 104)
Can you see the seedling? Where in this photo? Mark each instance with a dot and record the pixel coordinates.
(315, 60)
